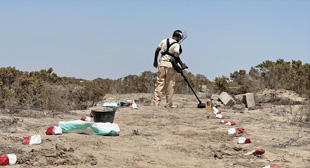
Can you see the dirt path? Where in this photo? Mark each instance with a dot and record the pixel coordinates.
(157, 137)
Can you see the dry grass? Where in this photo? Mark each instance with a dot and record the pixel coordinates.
(298, 114)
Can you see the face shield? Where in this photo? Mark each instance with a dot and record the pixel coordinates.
(183, 37)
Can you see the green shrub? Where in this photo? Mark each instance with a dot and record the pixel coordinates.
(221, 84)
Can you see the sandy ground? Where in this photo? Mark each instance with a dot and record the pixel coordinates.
(158, 137)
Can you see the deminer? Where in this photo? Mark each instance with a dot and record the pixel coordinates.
(166, 74)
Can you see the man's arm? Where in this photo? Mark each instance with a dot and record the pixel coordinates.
(176, 55)
(155, 64)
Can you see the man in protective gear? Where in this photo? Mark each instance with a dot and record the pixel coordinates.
(166, 74)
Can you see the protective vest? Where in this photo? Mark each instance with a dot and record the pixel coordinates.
(167, 50)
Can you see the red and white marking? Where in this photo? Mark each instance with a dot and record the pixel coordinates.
(33, 140)
(54, 130)
(8, 159)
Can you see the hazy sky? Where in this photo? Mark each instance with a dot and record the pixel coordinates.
(111, 39)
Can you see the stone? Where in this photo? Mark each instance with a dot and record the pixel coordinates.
(248, 100)
(227, 99)
(215, 97)
(239, 107)
(60, 147)
(59, 161)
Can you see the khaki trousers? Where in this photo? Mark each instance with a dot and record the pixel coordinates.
(165, 79)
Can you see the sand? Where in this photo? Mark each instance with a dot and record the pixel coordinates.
(158, 137)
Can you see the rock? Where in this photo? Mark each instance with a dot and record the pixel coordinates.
(215, 103)
(215, 97)
(251, 108)
(237, 148)
(60, 147)
(59, 161)
(218, 155)
(239, 107)
(91, 159)
(93, 162)
(42, 162)
(238, 98)
(54, 155)
(70, 149)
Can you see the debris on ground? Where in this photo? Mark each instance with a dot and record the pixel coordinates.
(110, 104)
(126, 103)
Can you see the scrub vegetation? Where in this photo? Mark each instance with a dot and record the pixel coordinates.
(45, 90)
(292, 75)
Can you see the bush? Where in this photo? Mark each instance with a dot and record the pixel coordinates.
(283, 75)
(221, 84)
(44, 90)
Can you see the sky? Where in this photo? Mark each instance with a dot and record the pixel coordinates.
(92, 39)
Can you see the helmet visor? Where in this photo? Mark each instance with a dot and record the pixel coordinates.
(183, 37)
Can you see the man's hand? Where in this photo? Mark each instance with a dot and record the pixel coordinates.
(155, 64)
(184, 66)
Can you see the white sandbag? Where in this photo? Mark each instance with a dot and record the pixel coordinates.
(91, 128)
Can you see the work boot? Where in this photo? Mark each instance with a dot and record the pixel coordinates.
(155, 103)
(172, 106)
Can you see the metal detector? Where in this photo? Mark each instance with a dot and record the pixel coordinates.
(179, 70)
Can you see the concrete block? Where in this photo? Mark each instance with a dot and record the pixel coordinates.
(227, 99)
(248, 100)
(204, 88)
